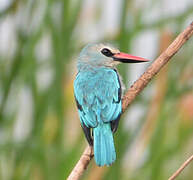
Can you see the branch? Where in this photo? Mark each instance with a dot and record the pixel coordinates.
(155, 67)
(134, 90)
(188, 161)
(81, 164)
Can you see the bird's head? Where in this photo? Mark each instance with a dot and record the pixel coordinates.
(105, 55)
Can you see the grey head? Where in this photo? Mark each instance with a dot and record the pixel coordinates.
(98, 55)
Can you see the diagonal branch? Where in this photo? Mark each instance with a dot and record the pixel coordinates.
(188, 161)
(155, 67)
(134, 90)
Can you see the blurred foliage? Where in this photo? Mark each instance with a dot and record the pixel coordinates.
(40, 134)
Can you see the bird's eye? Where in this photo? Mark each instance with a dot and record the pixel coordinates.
(107, 52)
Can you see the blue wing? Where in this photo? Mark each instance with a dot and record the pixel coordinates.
(98, 95)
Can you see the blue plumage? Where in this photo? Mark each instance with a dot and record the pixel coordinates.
(97, 90)
(104, 150)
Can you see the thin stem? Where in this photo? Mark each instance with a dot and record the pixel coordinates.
(188, 161)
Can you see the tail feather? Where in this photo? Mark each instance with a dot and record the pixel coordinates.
(104, 149)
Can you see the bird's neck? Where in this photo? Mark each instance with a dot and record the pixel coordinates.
(86, 67)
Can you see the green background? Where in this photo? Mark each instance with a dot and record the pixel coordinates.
(40, 133)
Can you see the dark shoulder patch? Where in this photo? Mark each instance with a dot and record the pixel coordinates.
(115, 123)
(119, 90)
(87, 133)
(78, 105)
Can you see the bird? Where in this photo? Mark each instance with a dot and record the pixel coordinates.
(98, 89)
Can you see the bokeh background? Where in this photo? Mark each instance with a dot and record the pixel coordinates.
(40, 133)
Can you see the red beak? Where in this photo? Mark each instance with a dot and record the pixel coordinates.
(127, 58)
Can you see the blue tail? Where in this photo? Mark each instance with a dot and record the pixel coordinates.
(104, 149)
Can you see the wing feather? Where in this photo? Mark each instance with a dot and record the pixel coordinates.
(98, 96)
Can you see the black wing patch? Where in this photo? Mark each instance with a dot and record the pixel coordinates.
(120, 89)
(86, 130)
(78, 105)
(87, 133)
(115, 124)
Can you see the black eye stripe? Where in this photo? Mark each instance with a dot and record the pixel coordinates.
(107, 52)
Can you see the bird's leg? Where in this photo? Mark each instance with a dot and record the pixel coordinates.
(87, 134)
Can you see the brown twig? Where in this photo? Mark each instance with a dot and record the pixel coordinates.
(81, 164)
(155, 67)
(188, 161)
(135, 89)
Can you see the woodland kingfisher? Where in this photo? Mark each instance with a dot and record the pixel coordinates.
(98, 92)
